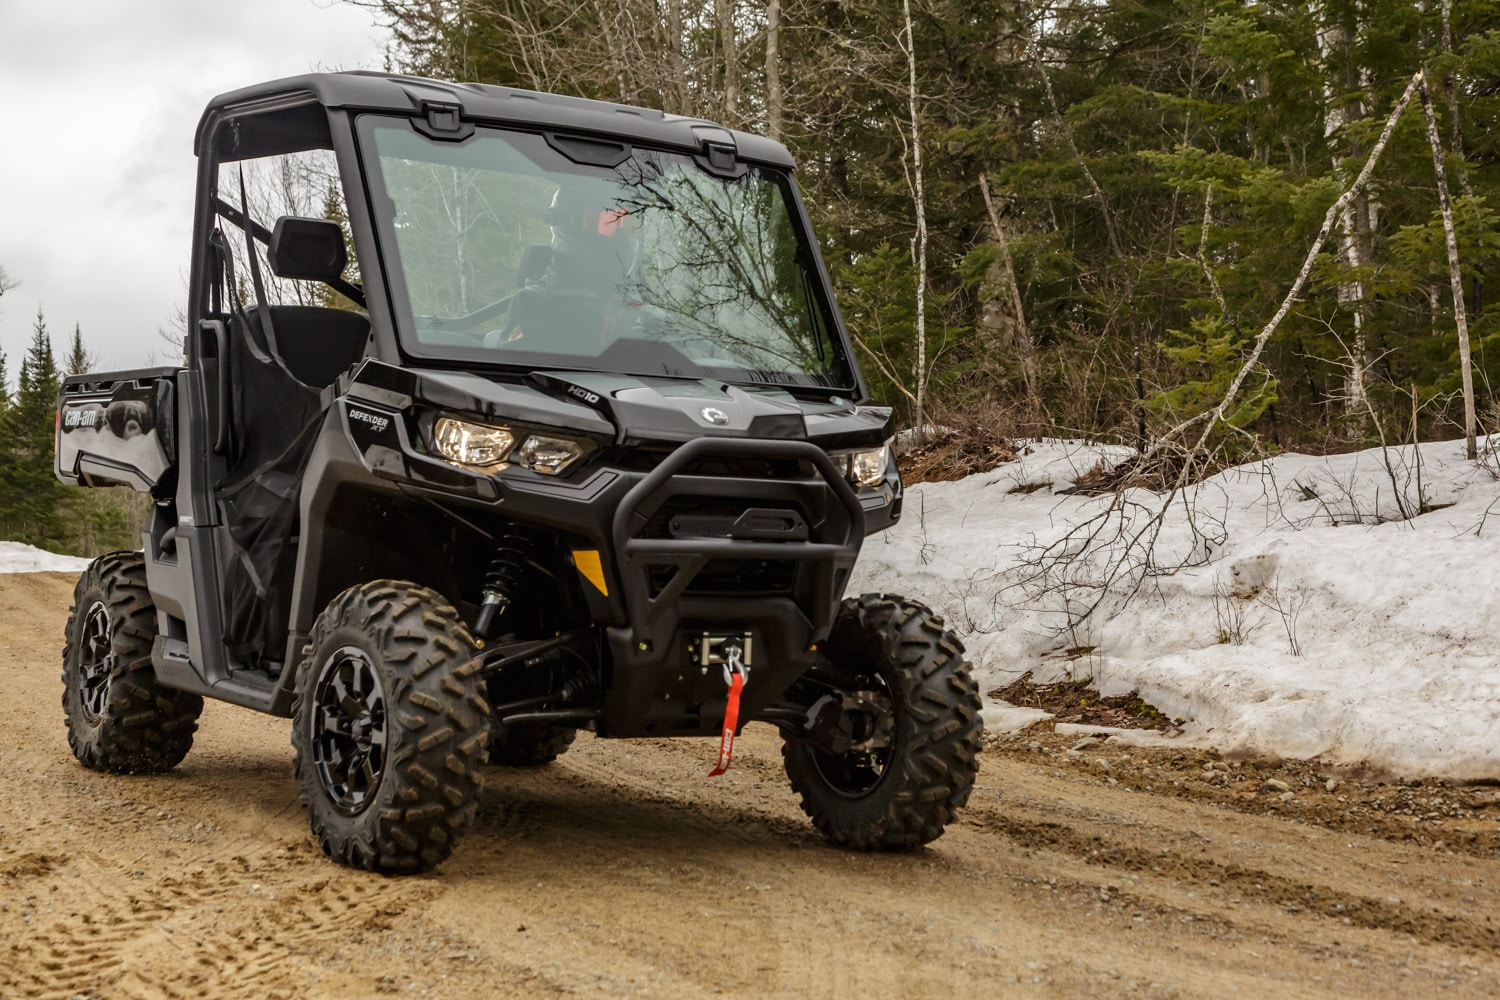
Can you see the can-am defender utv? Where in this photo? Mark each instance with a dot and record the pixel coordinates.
(579, 444)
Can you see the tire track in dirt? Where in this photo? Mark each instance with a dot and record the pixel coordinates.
(1316, 899)
(218, 929)
(1285, 896)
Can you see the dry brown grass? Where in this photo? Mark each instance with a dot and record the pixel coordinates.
(969, 441)
(1080, 702)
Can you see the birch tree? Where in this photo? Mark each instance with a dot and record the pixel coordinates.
(775, 109)
(908, 45)
(1455, 274)
(1341, 78)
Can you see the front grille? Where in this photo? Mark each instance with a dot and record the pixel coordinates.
(733, 578)
(727, 509)
(720, 577)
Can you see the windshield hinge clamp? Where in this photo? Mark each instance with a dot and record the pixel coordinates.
(444, 122)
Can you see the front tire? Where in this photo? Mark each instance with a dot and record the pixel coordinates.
(389, 724)
(910, 704)
(120, 718)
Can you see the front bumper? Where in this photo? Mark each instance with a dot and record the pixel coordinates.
(657, 685)
(771, 557)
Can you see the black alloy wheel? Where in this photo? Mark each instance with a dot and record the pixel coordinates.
(866, 723)
(390, 724)
(120, 717)
(894, 747)
(96, 663)
(349, 729)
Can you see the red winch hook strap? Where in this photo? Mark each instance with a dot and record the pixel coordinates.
(736, 674)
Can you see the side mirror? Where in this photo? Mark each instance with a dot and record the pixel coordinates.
(311, 249)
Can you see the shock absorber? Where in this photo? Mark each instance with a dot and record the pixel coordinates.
(515, 551)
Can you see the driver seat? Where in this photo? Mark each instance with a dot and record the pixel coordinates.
(317, 344)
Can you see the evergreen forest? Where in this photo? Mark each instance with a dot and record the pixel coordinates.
(1272, 223)
(34, 507)
(1077, 218)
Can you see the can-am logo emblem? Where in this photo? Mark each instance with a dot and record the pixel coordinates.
(714, 415)
(81, 418)
(376, 423)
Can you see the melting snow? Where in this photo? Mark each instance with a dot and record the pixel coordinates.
(18, 558)
(1394, 620)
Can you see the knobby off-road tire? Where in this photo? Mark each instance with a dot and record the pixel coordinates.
(389, 724)
(530, 744)
(930, 765)
(119, 717)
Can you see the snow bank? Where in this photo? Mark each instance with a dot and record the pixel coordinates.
(1394, 622)
(18, 558)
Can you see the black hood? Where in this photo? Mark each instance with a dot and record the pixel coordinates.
(631, 409)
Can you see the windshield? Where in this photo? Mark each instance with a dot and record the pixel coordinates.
(503, 250)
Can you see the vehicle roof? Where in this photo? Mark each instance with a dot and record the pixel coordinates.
(362, 90)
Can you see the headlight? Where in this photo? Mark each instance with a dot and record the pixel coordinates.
(473, 446)
(549, 455)
(867, 468)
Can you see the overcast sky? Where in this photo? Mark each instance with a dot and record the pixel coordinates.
(101, 98)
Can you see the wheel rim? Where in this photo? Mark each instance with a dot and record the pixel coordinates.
(96, 662)
(349, 729)
(855, 774)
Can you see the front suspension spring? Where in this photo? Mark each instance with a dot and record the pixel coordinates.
(513, 564)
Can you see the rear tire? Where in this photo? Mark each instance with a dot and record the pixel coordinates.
(120, 718)
(530, 744)
(389, 724)
(899, 654)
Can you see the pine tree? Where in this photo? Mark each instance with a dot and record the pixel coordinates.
(79, 360)
(31, 497)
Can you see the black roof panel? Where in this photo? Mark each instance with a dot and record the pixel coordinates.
(405, 95)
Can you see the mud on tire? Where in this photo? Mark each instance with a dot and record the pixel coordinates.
(890, 643)
(390, 724)
(120, 718)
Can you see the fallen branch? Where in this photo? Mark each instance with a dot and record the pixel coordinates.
(885, 369)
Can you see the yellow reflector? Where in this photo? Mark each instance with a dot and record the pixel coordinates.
(587, 561)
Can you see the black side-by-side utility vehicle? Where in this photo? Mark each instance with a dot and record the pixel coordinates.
(578, 443)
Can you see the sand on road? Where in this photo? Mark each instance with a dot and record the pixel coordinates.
(622, 870)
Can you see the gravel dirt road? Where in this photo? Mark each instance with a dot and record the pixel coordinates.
(622, 871)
